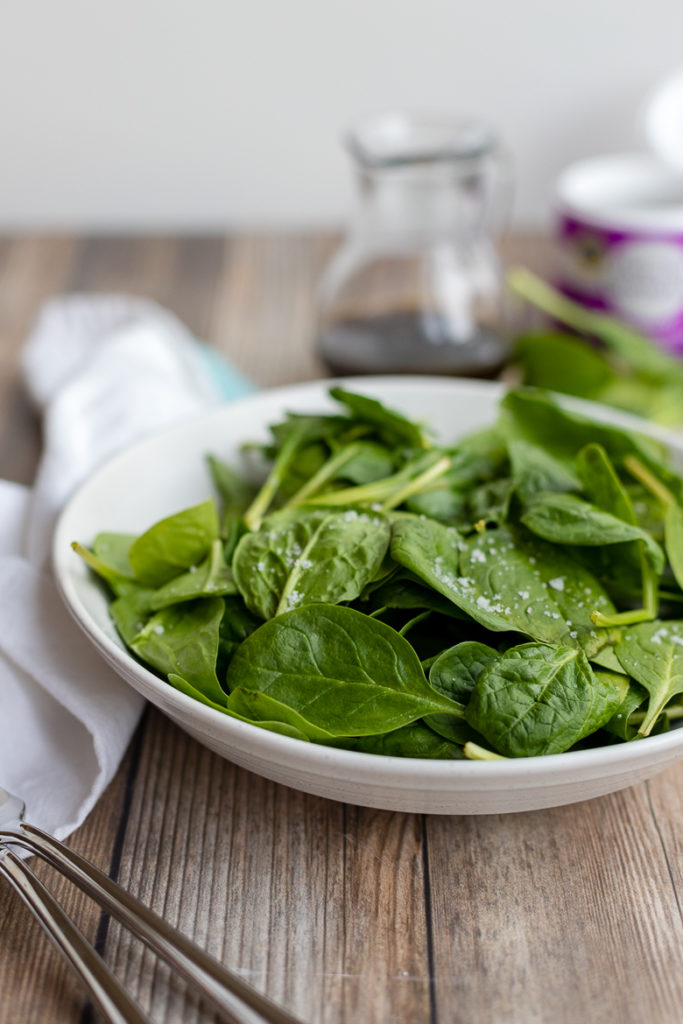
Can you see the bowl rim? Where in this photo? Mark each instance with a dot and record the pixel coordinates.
(439, 774)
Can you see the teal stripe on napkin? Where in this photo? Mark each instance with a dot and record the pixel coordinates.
(229, 382)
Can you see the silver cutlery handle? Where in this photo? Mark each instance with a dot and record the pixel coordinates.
(105, 989)
(215, 982)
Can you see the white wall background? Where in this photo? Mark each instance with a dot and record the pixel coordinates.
(208, 113)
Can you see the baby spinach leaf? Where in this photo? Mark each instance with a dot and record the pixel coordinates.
(617, 336)
(673, 539)
(174, 544)
(342, 671)
(235, 492)
(114, 549)
(620, 723)
(316, 556)
(440, 502)
(212, 577)
(130, 613)
(404, 591)
(568, 519)
(606, 658)
(533, 416)
(254, 706)
(183, 640)
(506, 581)
(538, 699)
(601, 484)
(119, 582)
(283, 728)
(392, 426)
(457, 669)
(236, 625)
(535, 470)
(652, 652)
(359, 462)
(562, 362)
(415, 740)
(489, 503)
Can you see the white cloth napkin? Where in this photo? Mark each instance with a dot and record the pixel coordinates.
(104, 370)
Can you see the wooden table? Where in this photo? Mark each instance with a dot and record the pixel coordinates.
(340, 913)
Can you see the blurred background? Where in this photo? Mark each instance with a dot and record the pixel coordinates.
(213, 114)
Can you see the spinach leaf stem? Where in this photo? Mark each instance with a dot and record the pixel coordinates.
(262, 501)
(476, 753)
(644, 476)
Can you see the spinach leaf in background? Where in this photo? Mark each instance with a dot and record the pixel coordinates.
(441, 502)
(535, 470)
(283, 728)
(489, 503)
(639, 352)
(232, 531)
(316, 556)
(533, 416)
(416, 740)
(183, 640)
(211, 578)
(234, 490)
(560, 362)
(457, 669)
(478, 457)
(506, 581)
(284, 459)
(568, 519)
(174, 544)
(652, 652)
(658, 400)
(342, 671)
(321, 429)
(310, 460)
(620, 723)
(359, 462)
(538, 699)
(393, 427)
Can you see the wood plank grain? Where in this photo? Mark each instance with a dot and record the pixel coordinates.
(264, 317)
(560, 915)
(319, 905)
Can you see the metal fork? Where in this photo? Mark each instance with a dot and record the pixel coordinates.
(226, 992)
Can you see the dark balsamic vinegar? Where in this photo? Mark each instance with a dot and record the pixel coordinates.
(407, 342)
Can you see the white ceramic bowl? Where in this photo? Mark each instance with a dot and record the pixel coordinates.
(166, 472)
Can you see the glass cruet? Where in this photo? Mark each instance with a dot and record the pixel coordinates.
(415, 286)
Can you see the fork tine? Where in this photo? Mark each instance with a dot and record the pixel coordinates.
(105, 989)
(216, 983)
